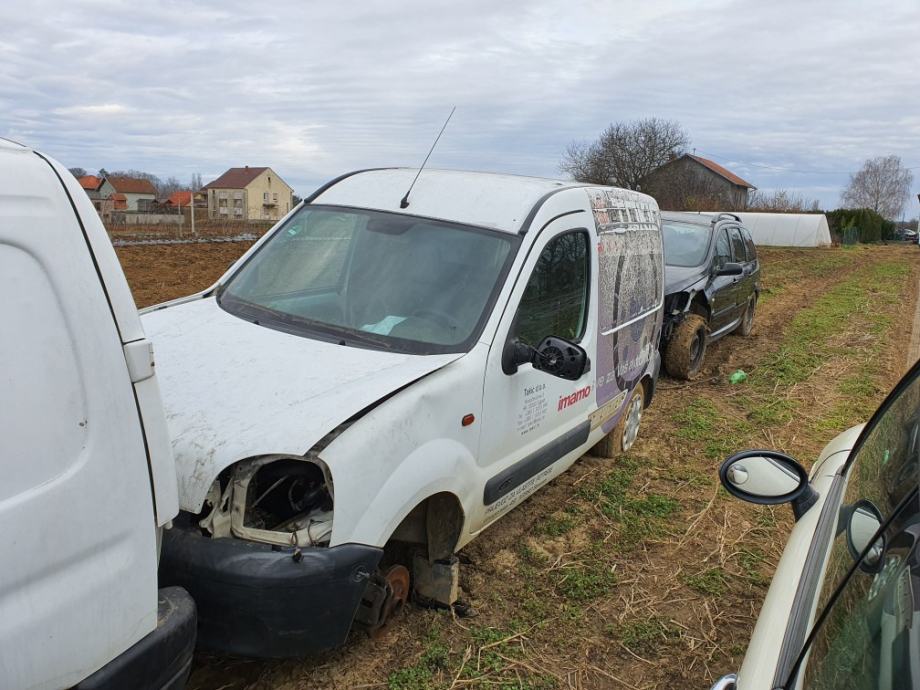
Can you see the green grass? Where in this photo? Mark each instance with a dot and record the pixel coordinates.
(419, 676)
(586, 582)
(712, 582)
(647, 636)
(557, 525)
(751, 560)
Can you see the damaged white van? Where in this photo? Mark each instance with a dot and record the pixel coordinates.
(381, 377)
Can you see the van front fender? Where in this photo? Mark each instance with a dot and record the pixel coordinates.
(439, 465)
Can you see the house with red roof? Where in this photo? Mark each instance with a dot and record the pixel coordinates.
(127, 194)
(690, 182)
(91, 185)
(183, 199)
(249, 193)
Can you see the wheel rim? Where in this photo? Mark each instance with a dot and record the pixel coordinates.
(749, 315)
(633, 419)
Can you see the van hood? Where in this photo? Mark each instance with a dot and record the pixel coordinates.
(678, 278)
(233, 389)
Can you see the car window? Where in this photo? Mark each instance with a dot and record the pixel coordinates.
(723, 249)
(881, 476)
(685, 244)
(555, 300)
(739, 251)
(749, 245)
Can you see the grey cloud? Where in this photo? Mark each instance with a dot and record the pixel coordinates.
(317, 88)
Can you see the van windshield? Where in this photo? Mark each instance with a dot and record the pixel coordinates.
(685, 244)
(373, 279)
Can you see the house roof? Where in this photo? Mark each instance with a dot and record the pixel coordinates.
(90, 182)
(180, 198)
(132, 185)
(236, 178)
(719, 170)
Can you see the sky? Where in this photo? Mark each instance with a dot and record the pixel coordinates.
(787, 94)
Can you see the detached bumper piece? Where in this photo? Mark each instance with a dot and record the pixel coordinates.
(258, 600)
(160, 661)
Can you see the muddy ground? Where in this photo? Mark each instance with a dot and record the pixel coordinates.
(636, 572)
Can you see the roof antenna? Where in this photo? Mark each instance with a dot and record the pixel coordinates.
(405, 200)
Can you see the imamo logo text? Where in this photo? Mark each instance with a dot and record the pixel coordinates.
(567, 400)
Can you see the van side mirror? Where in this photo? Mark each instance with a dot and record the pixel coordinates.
(862, 523)
(730, 269)
(767, 477)
(555, 356)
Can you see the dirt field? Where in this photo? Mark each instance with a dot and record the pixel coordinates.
(637, 572)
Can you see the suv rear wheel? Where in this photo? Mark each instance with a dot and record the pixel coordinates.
(683, 356)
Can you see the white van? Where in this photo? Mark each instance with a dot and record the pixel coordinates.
(383, 370)
(88, 475)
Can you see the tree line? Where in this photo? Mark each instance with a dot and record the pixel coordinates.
(627, 153)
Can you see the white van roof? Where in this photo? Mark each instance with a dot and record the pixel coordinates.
(473, 198)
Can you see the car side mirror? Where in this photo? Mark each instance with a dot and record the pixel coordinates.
(767, 477)
(730, 269)
(862, 524)
(555, 356)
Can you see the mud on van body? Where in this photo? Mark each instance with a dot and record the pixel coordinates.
(368, 378)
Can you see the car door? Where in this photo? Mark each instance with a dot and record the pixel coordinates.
(752, 267)
(740, 284)
(863, 622)
(532, 420)
(722, 290)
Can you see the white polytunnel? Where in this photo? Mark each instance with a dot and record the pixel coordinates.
(787, 229)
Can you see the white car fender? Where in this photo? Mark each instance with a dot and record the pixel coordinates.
(442, 465)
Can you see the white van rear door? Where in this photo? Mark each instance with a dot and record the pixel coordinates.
(138, 351)
(77, 536)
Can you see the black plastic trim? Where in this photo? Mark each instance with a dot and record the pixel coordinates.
(509, 479)
(258, 600)
(161, 660)
(808, 584)
(532, 214)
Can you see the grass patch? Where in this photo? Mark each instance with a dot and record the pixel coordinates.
(420, 675)
(647, 636)
(751, 560)
(585, 583)
(711, 582)
(557, 525)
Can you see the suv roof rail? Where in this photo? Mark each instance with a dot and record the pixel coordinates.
(723, 214)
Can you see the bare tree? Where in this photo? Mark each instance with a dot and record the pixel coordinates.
(625, 152)
(166, 187)
(195, 184)
(882, 185)
(77, 172)
(781, 201)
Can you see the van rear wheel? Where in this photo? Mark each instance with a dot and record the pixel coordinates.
(626, 431)
(683, 356)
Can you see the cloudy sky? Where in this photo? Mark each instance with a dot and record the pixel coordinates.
(788, 94)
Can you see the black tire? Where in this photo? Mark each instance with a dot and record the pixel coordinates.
(747, 321)
(686, 349)
(614, 443)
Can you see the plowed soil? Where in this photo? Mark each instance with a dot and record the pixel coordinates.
(634, 572)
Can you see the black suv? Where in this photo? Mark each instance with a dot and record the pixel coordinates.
(712, 282)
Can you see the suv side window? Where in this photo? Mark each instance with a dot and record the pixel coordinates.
(738, 249)
(723, 249)
(555, 301)
(749, 245)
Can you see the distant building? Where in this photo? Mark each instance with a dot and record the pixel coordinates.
(249, 193)
(91, 185)
(183, 199)
(127, 194)
(691, 182)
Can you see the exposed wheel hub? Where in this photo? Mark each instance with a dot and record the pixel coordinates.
(386, 593)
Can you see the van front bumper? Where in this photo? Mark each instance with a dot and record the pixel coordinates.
(257, 600)
(161, 660)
